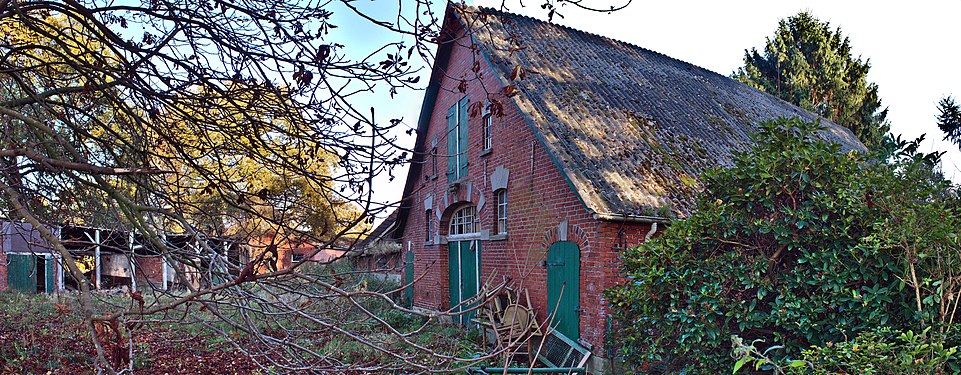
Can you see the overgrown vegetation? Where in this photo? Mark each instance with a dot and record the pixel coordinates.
(41, 333)
(880, 351)
(801, 244)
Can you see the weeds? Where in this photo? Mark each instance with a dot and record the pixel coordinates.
(44, 333)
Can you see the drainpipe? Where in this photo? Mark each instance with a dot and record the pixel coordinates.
(163, 262)
(133, 264)
(651, 233)
(96, 255)
(629, 218)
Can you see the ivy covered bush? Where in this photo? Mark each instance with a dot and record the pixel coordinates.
(800, 244)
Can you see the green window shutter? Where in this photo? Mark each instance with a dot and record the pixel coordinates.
(462, 136)
(452, 143)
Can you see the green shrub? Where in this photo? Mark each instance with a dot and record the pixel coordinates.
(798, 243)
(882, 351)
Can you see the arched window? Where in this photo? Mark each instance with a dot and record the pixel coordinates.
(463, 221)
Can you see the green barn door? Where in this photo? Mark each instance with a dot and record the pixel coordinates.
(563, 287)
(453, 274)
(408, 279)
(50, 280)
(469, 258)
(463, 273)
(22, 272)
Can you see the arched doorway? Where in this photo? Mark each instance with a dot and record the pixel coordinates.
(563, 288)
(463, 256)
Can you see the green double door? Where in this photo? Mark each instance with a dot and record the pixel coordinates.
(463, 276)
(563, 288)
(408, 300)
(29, 273)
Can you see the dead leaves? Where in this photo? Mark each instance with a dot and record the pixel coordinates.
(303, 77)
(137, 297)
(474, 109)
(58, 342)
(62, 309)
(520, 72)
(323, 52)
(517, 74)
(112, 339)
(510, 91)
(494, 108)
(306, 303)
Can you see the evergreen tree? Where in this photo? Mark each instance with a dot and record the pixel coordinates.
(810, 65)
(949, 120)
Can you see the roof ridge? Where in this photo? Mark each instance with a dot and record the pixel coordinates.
(494, 11)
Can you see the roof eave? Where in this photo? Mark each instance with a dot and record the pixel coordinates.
(622, 217)
(427, 108)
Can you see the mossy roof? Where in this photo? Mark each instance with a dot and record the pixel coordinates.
(633, 130)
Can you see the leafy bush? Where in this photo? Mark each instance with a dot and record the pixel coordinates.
(794, 244)
(882, 351)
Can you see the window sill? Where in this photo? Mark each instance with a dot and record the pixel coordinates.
(464, 237)
(498, 237)
(486, 152)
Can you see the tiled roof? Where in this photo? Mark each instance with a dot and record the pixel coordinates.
(632, 129)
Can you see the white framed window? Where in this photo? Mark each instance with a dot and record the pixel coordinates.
(488, 132)
(500, 198)
(463, 221)
(297, 257)
(433, 162)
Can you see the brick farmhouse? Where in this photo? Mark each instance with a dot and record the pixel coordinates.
(542, 152)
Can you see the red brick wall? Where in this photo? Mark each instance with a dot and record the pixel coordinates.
(539, 199)
(150, 269)
(384, 264)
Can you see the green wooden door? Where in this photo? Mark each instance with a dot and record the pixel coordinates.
(22, 272)
(563, 287)
(463, 273)
(50, 262)
(408, 279)
(469, 258)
